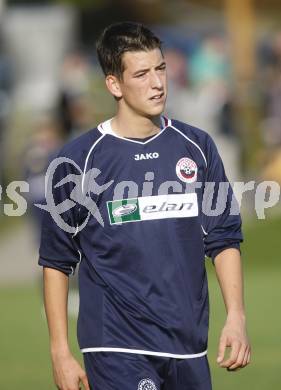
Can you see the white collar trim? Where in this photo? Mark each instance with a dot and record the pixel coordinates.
(105, 128)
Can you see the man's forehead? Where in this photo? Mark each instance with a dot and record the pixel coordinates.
(134, 60)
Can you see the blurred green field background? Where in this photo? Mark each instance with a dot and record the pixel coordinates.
(24, 355)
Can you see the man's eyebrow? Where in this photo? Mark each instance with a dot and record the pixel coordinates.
(147, 69)
(140, 71)
(162, 63)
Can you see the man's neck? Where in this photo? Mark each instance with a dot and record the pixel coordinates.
(135, 127)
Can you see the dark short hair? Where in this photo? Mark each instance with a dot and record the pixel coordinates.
(119, 38)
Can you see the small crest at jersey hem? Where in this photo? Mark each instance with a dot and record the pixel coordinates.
(146, 384)
(186, 170)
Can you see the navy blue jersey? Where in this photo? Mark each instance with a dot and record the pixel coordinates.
(140, 233)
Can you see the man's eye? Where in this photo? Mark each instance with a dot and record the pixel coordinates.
(140, 75)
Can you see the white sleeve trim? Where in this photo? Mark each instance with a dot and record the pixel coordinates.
(142, 352)
(87, 159)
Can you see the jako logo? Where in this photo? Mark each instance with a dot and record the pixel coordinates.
(147, 384)
(146, 156)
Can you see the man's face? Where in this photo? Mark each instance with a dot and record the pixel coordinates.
(144, 82)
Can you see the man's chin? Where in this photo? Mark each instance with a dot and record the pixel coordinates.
(156, 111)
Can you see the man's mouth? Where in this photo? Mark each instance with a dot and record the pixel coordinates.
(157, 97)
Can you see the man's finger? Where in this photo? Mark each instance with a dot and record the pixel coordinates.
(235, 348)
(249, 357)
(85, 382)
(240, 358)
(246, 357)
(221, 351)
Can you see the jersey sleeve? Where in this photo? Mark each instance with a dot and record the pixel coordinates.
(221, 219)
(59, 248)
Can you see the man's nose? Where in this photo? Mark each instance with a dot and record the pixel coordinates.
(156, 81)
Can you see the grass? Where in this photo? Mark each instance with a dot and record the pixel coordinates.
(8, 223)
(262, 244)
(262, 296)
(262, 271)
(24, 353)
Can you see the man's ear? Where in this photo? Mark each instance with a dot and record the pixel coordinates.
(113, 86)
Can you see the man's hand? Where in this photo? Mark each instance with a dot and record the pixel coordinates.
(234, 335)
(68, 373)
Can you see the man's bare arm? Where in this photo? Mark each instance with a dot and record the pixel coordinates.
(67, 371)
(234, 334)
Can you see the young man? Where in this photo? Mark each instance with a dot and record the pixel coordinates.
(140, 231)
